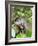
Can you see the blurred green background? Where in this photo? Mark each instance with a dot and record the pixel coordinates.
(26, 13)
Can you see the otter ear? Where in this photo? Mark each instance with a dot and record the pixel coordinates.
(16, 18)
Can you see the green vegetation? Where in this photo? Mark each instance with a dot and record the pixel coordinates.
(26, 14)
(28, 34)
